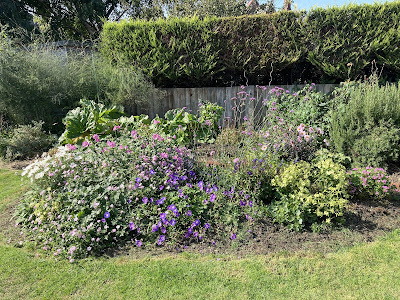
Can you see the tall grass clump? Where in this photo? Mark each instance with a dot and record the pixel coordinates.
(366, 123)
(41, 82)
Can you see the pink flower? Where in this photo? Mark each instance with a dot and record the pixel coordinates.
(236, 160)
(85, 144)
(71, 147)
(111, 144)
(96, 137)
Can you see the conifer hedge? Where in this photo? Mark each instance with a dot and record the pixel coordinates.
(325, 45)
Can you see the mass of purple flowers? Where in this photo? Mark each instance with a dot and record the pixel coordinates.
(136, 188)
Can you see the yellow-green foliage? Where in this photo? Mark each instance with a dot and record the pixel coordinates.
(310, 193)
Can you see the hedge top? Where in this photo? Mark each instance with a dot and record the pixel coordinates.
(331, 44)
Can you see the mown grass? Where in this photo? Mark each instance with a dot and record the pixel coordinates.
(10, 186)
(367, 271)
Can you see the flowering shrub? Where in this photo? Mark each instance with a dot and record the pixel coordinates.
(369, 182)
(288, 125)
(138, 188)
(305, 106)
(310, 194)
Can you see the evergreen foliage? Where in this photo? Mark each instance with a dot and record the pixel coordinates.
(331, 45)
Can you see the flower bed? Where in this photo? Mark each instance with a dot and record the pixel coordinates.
(155, 182)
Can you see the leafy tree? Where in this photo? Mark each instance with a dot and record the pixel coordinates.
(203, 8)
(80, 18)
(13, 14)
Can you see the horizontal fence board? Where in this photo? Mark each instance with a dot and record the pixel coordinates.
(191, 97)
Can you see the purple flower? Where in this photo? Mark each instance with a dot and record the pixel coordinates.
(242, 203)
(152, 172)
(172, 222)
(103, 220)
(106, 215)
(196, 234)
(138, 243)
(163, 216)
(206, 226)
(161, 239)
(145, 200)
(233, 236)
(154, 228)
(190, 230)
(161, 201)
(196, 222)
(189, 213)
(138, 179)
(200, 185)
(213, 197)
(131, 226)
(163, 230)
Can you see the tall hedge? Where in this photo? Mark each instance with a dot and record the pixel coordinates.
(343, 41)
(328, 45)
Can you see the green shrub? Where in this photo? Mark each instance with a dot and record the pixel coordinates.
(187, 128)
(366, 124)
(310, 194)
(343, 41)
(194, 52)
(330, 45)
(25, 141)
(89, 119)
(171, 52)
(38, 82)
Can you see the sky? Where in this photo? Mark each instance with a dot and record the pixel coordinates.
(308, 4)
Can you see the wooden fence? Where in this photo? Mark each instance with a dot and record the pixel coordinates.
(191, 97)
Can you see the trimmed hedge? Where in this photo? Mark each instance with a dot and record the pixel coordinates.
(343, 41)
(330, 45)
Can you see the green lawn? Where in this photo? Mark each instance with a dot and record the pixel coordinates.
(367, 271)
(10, 185)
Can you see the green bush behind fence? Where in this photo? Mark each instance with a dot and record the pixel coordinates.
(330, 45)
